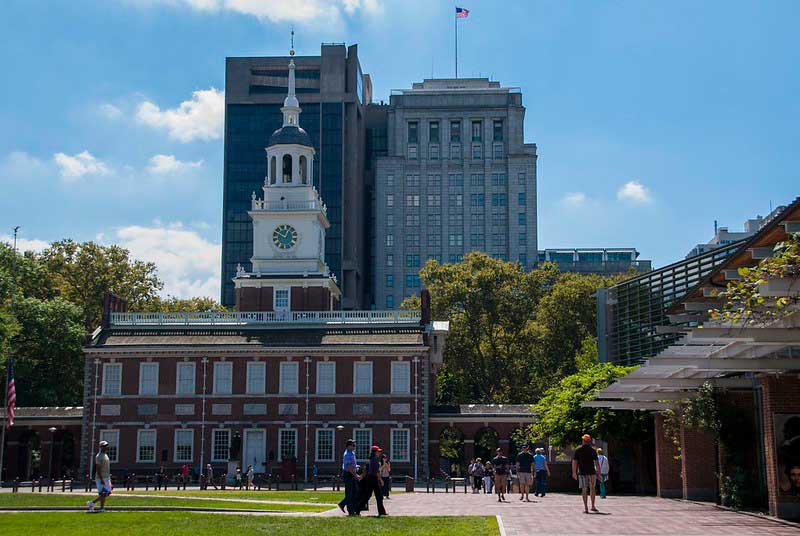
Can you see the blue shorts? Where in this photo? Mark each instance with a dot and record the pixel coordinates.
(103, 486)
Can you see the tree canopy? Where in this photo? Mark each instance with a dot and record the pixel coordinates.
(512, 332)
(560, 416)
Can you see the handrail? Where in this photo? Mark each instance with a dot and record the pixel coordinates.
(266, 317)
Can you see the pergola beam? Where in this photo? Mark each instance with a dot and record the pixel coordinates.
(689, 383)
(627, 405)
(649, 396)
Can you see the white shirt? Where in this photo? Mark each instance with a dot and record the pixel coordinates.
(603, 462)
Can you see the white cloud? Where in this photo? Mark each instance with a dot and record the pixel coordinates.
(200, 118)
(18, 163)
(327, 12)
(574, 199)
(635, 193)
(24, 244)
(109, 111)
(188, 264)
(167, 163)
(80, 164)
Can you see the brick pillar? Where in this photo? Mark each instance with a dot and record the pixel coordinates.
(780, 395)
(668, 466)
(469, 450)
(698, 464)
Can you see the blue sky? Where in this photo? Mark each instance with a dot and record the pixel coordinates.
(652, 119)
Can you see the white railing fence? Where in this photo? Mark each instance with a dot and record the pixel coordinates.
(265, 317)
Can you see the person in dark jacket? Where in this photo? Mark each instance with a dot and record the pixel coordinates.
(372, 482)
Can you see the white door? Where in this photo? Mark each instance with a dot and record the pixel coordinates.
(255, 443)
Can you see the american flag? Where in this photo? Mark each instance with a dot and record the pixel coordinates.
(12, 394)
(462, 13)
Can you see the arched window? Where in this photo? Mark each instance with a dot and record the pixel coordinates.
(273, 171)
(287, 168)
(303, 170)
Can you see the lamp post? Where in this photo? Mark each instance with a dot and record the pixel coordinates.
(52, 431)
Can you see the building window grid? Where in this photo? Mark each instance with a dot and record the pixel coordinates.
(412, 220)
(455, 131)
(412, 200)
(412, 281)
(400, 442)
(412, 261)
(401, 377)
(184, 445)
(390, 220)
(362, 377)
(363, 439)
(184, 378)
(455, 180)
(389, 280)
(146, 446)
(389, 240)
(223, 378)
(412, 181)
(148, 379)
(220, 445)
(324, 445)
(390, 260)
(389, 200)
(287, 444)
(288, 380)
(326, 378)
(112, 379)
(256, 377)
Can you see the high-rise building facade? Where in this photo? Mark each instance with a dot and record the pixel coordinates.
(457, 177)
(332, 92)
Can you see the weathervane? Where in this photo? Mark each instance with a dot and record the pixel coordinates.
(291, 50)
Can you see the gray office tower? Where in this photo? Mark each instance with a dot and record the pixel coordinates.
(333, 92)
(457, 177)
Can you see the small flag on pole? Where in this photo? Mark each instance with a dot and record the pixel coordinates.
(462, 13)
(11, 393)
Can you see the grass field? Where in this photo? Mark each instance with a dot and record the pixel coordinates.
(10, 500)
(326, 497)
(198, 524)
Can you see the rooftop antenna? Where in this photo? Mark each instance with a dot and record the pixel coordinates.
(291, 49)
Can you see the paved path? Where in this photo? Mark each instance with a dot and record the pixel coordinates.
(562, 514)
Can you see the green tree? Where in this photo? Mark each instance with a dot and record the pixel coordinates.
(560, 415)
(587, 356)
(32, 279)
(83, 272)
(181, 305)
(48, 352)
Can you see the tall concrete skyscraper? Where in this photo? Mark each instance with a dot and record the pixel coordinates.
(332, 91)
(457, 177)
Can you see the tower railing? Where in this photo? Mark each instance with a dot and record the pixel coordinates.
(286, 205)
(322, 318)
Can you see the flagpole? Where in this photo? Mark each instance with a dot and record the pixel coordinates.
(455, 20)
(8, 361)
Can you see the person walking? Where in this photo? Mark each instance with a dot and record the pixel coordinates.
(350, 479)
(478, 471)
(160, 478)
(605, 467)
(185, 474)
(500, 464)
(488, 477)
(585, 469)
(542, 472)
(372, 481)
(524, 474)
(210, 476)
(386, 475)
(250, 475)
(511, 475)
(102, 478)
(237, 479)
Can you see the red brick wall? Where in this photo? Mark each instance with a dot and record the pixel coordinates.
(669, 481)
(780, 394)
(302, 299)
(698, 464)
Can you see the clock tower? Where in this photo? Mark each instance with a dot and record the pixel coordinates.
(289, 221)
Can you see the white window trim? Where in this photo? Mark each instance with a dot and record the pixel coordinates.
(186, 364)
(295, 389)
(275, 299)
(213, 443)
(405, 365)
(332, 433)
(362, 460)
(107, 366)
(139, 444)
(355, 378)
(142, 366)
(104, 437)
(229, 365)
(321, 364)
(260, 365)
(408, 445)
(175, 445)
(281, 431)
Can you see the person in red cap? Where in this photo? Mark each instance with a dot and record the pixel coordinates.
(585, 468)
(372, 482)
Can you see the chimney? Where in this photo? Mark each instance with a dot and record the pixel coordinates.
(425, 301)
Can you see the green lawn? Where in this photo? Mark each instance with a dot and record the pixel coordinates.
(326, 497)
(192, 524)
(8, 500)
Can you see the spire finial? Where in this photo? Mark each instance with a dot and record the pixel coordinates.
(291, 48)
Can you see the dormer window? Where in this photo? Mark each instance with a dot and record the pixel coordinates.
(287, 169)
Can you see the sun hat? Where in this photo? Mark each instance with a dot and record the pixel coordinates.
(104, 443)
(376, 448)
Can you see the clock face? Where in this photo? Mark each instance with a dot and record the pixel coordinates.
(284, 236)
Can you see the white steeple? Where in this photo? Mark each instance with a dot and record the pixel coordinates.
(291, 107)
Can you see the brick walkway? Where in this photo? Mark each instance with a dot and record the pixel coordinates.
(562, 514)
